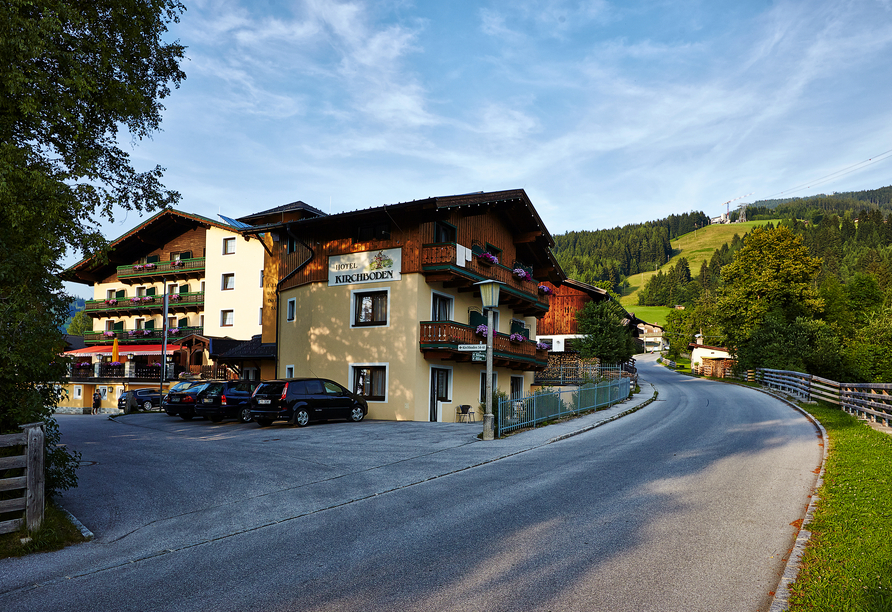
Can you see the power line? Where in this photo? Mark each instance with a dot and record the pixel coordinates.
(835, 175)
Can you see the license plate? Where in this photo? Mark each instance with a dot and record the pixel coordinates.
(262, 401)
(175, 400)
(207, 400)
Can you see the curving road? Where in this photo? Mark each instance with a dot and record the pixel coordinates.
(684, 505)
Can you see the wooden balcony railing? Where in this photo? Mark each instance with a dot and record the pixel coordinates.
(441, 338)
(439, 262)
(146, 303)
(168, 269)
(139, 336)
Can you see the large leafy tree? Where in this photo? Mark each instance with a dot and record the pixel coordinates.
(771, 274)
(73, 74)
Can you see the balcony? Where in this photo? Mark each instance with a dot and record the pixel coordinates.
(439, 264)
(146, 304)
(139, 336)
(169, 270)
(440, 340)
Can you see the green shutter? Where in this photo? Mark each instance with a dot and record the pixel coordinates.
(186, 255)
(150, 324)
(475, 318)
(119, 326)
(150, 291)
(183, 323)
(121, 294)
(152, 259)
(184, 288)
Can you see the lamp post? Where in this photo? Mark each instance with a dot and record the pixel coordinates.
(489, 295)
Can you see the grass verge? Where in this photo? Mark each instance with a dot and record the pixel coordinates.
(56, 532)
(847, 564)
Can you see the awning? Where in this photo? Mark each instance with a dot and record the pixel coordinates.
(137, 349)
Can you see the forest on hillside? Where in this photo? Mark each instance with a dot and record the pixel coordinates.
(607, 257)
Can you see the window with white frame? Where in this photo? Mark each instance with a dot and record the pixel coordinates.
(369, 380)
(260, 316)
(441, 307)
(227, 318)
(441, 383)
(78, 392)
(289, 371)
(495, 385)
(227, 282)
(261, 278)
(291, 309)
(370, 307)
(110, 294)
(229, 246)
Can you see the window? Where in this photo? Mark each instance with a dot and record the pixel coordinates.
(140, 323)
(261, 278)
(495, 386)
(229, 246)
(260, 316)
(171, 322)
(140, 291)
(444, 232)
(374, 231)
(78, 392)
(494, 250)
(516, 387)
(441, 307)
(202, 286)
(441, 380)
(103, 391)
(228, 282)
(201, 320)
(370, 381)
(110, 294)
(226, 318)
(289, 371)
(291, 310)
(370, 308)
(109, 325)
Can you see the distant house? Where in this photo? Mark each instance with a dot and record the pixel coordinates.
(713, 361)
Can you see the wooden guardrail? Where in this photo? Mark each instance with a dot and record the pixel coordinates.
(871, 401)
(32, 439)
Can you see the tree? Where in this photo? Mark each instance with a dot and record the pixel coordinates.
(605, 336)
(72, 74)
(771, 273)
(80, 323)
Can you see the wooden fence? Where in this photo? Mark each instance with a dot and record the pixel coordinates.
(32, 439)
(871, 401)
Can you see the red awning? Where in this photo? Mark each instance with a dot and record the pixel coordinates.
(137, 349)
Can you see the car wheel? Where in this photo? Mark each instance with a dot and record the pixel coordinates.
(356, 414)
(301, 417)
(147, 405)
(245, 415)
(264, 422)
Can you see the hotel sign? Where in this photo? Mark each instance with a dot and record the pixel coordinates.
(368, 267)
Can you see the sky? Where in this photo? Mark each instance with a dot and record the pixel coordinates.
(605, 112)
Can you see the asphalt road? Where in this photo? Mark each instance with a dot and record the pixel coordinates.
(684, 505)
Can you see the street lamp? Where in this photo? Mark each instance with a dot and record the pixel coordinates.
(489, 295)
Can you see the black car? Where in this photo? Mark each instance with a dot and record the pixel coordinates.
(174, 409)
(183, 401)
(146, 399)
(301, 400)
(226, 400)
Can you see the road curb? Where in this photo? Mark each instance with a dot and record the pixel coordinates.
(88, 535)
(607, 420)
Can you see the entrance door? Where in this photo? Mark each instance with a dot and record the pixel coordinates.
(439, 391)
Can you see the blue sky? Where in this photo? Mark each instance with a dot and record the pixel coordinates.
(606, 113)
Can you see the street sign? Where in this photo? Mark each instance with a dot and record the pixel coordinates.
(478, 356)
(472, 347)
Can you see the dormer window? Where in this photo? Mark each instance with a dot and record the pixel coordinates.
(374, 231)
(444, 232)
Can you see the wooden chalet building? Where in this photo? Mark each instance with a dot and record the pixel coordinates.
(381, 299)
(202, 273)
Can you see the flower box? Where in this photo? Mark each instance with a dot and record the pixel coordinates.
(178, 263)
(138, 268)
(541, 346)
(112, 302)
(481, 330)
(135, 300)
(173, 332)
(522, 274)
(148, 299)
(546, 290)
(517, 338)
(150, 266)
(173, 297)
(487, 259)
(109, 334)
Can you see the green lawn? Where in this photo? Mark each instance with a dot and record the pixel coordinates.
(651, 314)
(848, 562)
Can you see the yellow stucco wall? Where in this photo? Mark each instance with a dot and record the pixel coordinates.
(321, 342)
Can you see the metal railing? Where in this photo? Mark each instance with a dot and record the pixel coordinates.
(546, 405)
(871, 401)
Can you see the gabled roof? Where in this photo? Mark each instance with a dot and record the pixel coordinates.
(156, 230)
(250, 350)
(286, 212)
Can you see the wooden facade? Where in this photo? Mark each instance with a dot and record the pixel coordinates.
(567, 300)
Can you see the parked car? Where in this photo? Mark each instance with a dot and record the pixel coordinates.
(226, 400)
(301, 400)
(184, 400)
(174, 410)
(146, 399)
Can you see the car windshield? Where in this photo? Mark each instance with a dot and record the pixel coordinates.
(215, 389)
(182, 386)
(270, 388)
